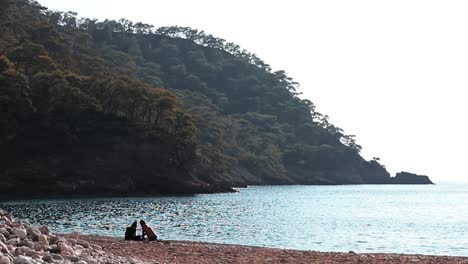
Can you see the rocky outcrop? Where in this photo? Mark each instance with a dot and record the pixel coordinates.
(410, 178)
(21, 243)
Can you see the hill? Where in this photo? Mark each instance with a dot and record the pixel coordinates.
(115, 107)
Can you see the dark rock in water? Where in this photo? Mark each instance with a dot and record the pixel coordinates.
(410, 178)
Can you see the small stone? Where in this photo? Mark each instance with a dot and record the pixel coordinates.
(13, 241)
(20, 233)
(6, 220)
(30, 253)
(91, 261)
(72, 241)
(65, 250)
(23, 260)
(38, 246)
(84, 243)
(27, 243)
(18, 252)
(96, 247)
(4, 248)
(2, 238)
(33, 232)
(74, 235)
(73, 258)
(4, 232)
(4, 260)
(56, 257)
(352, 253)
(47, 258)
(43, 240)
(54, 249)
(81, 262)
(44, 230)
(10, 247)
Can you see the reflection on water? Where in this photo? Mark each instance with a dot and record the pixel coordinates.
(369, 218)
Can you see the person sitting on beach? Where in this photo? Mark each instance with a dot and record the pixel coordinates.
(130, 232)
(147, 231)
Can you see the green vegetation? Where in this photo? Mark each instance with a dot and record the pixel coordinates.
(122, 107)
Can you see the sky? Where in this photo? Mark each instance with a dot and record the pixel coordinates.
(393, 73)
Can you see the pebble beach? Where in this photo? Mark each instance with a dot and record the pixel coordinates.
(22, 243)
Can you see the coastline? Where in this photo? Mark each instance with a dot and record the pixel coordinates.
(22, 243)
(231, 189)
(200, 252)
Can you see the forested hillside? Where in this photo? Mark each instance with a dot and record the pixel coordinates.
(116, 107)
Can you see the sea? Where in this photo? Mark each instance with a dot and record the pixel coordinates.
(413, 219)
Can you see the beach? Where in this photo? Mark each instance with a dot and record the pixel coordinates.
(195, 252)
(23, 243)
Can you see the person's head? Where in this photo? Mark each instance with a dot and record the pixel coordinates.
(142, 223)
(134, 224)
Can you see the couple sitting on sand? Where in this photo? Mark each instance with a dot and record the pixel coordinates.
(130, 232)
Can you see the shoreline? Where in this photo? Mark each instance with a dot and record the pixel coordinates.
(231, 189)
(201, 252)
(23, 243)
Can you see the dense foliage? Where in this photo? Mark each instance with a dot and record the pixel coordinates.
(97, 105)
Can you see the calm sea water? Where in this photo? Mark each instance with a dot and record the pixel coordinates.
(366, 218)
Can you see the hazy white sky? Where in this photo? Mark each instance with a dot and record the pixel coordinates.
(394, 73)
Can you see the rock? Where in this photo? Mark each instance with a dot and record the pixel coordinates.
(43, 240)
(54, 249)
(23, 260)
(74, 235)
(13, 241)
(6, 220)
(4, 232)
(10, 247)
(38, 246)
(30, 253)
(4, 260)
(65, 250)
(84, 243)
(47, 258)
(9, 216)
(19, 251)
(44, 230)
(53, 240)
(4, 249)
(2, 238)
(73, 258)
(20, 233)
(72, 241)
(91, 261)
(410, 178)
(81, 262)
(27, 243)
(56, 257)
(96, 247)
(33, 232)
(352, 253)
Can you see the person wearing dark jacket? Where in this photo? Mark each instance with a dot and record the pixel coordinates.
(147, 231)
(130, 232)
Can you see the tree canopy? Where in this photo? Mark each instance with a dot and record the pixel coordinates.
(84, 100)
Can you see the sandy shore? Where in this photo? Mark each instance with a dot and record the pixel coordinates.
(192, 252)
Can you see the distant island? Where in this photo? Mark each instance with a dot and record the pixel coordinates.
(111, 107)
